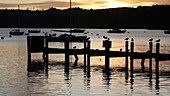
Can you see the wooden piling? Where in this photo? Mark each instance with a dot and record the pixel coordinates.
(107, 57)
(29, 53)
(150, 60)
(66, 47)
(143, 65)
(85, 50)
(88, 59)
(131, 61)
(46, 55)
(157, 63)
(126, 59)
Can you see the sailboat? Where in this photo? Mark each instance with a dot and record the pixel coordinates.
(34, 30)
(116, 29)
(17, 31)
(76, 30)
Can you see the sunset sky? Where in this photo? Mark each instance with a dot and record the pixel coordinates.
(85, 4)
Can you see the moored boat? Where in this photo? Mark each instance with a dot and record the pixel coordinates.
(71, 31)
(16, 32)
(34, 31)
(116, 30)
(167, 31)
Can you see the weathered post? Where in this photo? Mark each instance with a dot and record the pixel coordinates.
(107, 45)
(66, 46)
(131, 59)
(85, 50)
(88, 59)
(46, 54)
(142, 65)
(126, 59)
(157, 63)
(150, 59)
(29, 53)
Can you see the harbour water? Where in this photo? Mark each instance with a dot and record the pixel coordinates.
(15, 82)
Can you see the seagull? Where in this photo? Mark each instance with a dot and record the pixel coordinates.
(157, 40)
(151, 39)
(132, 40)
(74, 47)
(126, 38)
(121, 49)
(104, 37)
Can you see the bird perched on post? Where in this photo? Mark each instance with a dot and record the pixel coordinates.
(157, 40)
(132, 40)
(151, 39)
(126, 38)
(74, 47)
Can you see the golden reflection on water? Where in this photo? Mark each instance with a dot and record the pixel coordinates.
(14, 81)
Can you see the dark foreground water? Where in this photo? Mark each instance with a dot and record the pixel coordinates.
(15, 82)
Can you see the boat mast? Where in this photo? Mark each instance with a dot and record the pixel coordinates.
(70, 18)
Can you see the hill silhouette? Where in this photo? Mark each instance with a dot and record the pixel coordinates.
(145, 17)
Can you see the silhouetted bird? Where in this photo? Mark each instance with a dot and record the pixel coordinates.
(2, 37)
(74, 47)
(126, 38)
(157, 40)
(108, 39)
(151, 39)
(104, 37)
(120, 49)
(88, 38)
(132, 40)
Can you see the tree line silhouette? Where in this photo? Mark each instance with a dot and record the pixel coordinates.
(144, 17)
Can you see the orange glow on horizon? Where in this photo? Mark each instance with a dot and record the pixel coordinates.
(85, 4)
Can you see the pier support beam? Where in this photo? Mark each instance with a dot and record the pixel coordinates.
(46, 55)
(85, 50)
(143, 65)
(88, 59)
(157, 63)
(150, 60)
(107, 45)
(29, 53)
(126, 59)
(131, 60)
(66, 46)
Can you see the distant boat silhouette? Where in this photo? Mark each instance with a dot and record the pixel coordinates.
(16, 32)
(167, 32)
(34, 31)
(116, 30)
(72, 30)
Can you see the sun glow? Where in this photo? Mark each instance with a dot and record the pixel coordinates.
(112, 4)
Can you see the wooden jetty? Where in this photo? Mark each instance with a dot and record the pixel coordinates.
(37, 44)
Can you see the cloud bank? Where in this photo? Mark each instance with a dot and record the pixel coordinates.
(88, 4)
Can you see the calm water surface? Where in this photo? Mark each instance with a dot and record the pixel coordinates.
(15, 82)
